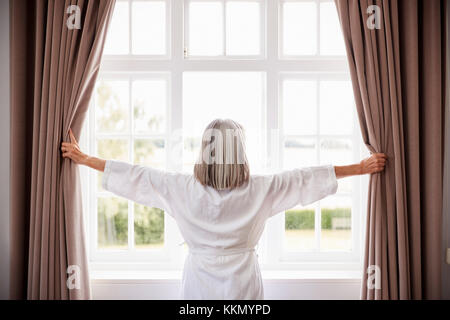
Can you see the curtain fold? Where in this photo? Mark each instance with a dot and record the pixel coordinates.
(398, 76)
(54, 69)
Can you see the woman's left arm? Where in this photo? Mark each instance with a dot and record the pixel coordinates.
(72, 151)
(374, 164)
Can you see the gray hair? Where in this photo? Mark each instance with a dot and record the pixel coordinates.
(222, 163)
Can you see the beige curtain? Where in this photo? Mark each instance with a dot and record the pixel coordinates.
(398, 75)
(53, 70)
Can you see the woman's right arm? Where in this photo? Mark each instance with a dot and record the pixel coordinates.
(122, 179)
(144, 185)
(71, 150)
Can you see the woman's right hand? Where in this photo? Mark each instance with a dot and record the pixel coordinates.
(373, 164)
(72, 150)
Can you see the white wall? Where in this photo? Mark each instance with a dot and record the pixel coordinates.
(4, 147)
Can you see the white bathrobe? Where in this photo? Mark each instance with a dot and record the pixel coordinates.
(221, 228)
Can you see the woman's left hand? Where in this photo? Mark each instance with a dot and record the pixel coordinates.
(72, 150)
(374, 164)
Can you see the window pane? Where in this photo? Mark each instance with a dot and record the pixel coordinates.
(336, 107)
(111, 106)
(112, 223)
(337, 152)
(149, 104)
(116, 149)
(336, 234)
(148, 227)
(191, 152)
(117, 41)
(205, 28)
(149, 27)
(299, 229)
(299, 107)
(113, 149)
(150, 153)
(243, 28)
(299, 153)
(331, 39)
(299, 28)
(234, 95)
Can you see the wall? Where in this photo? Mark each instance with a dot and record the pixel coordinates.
(4, 147)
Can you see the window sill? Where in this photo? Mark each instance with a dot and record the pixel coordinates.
(267, 275)
(102, 276)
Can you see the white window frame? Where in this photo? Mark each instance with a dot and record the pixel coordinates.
(224, 56)
(279, 257)
(315, 56)
(130, 55)
(275, 67)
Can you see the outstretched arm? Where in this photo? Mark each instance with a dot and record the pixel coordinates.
(144, 185)
(374, 164)
(307, 185)
(72, 151)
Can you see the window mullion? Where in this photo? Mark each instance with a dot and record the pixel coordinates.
(224, 28)
(185, 37)
(275, 227)
(131, 157)
(318, 218)
(172, 234)
(92, 186)
(130, 26)
(263, 30)
(318, 27)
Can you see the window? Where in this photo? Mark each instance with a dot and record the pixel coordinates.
(310, 28)
(133, 23)
(124, 128)
(235, 95)
(224, 28)
(276, 66)
(326, 134)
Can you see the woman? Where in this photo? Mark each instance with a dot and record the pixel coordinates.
(221, 210)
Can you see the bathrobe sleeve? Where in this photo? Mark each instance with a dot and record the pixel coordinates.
(301, 186)
(144, 185)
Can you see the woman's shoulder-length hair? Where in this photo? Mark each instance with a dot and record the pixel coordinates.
(222, 162)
